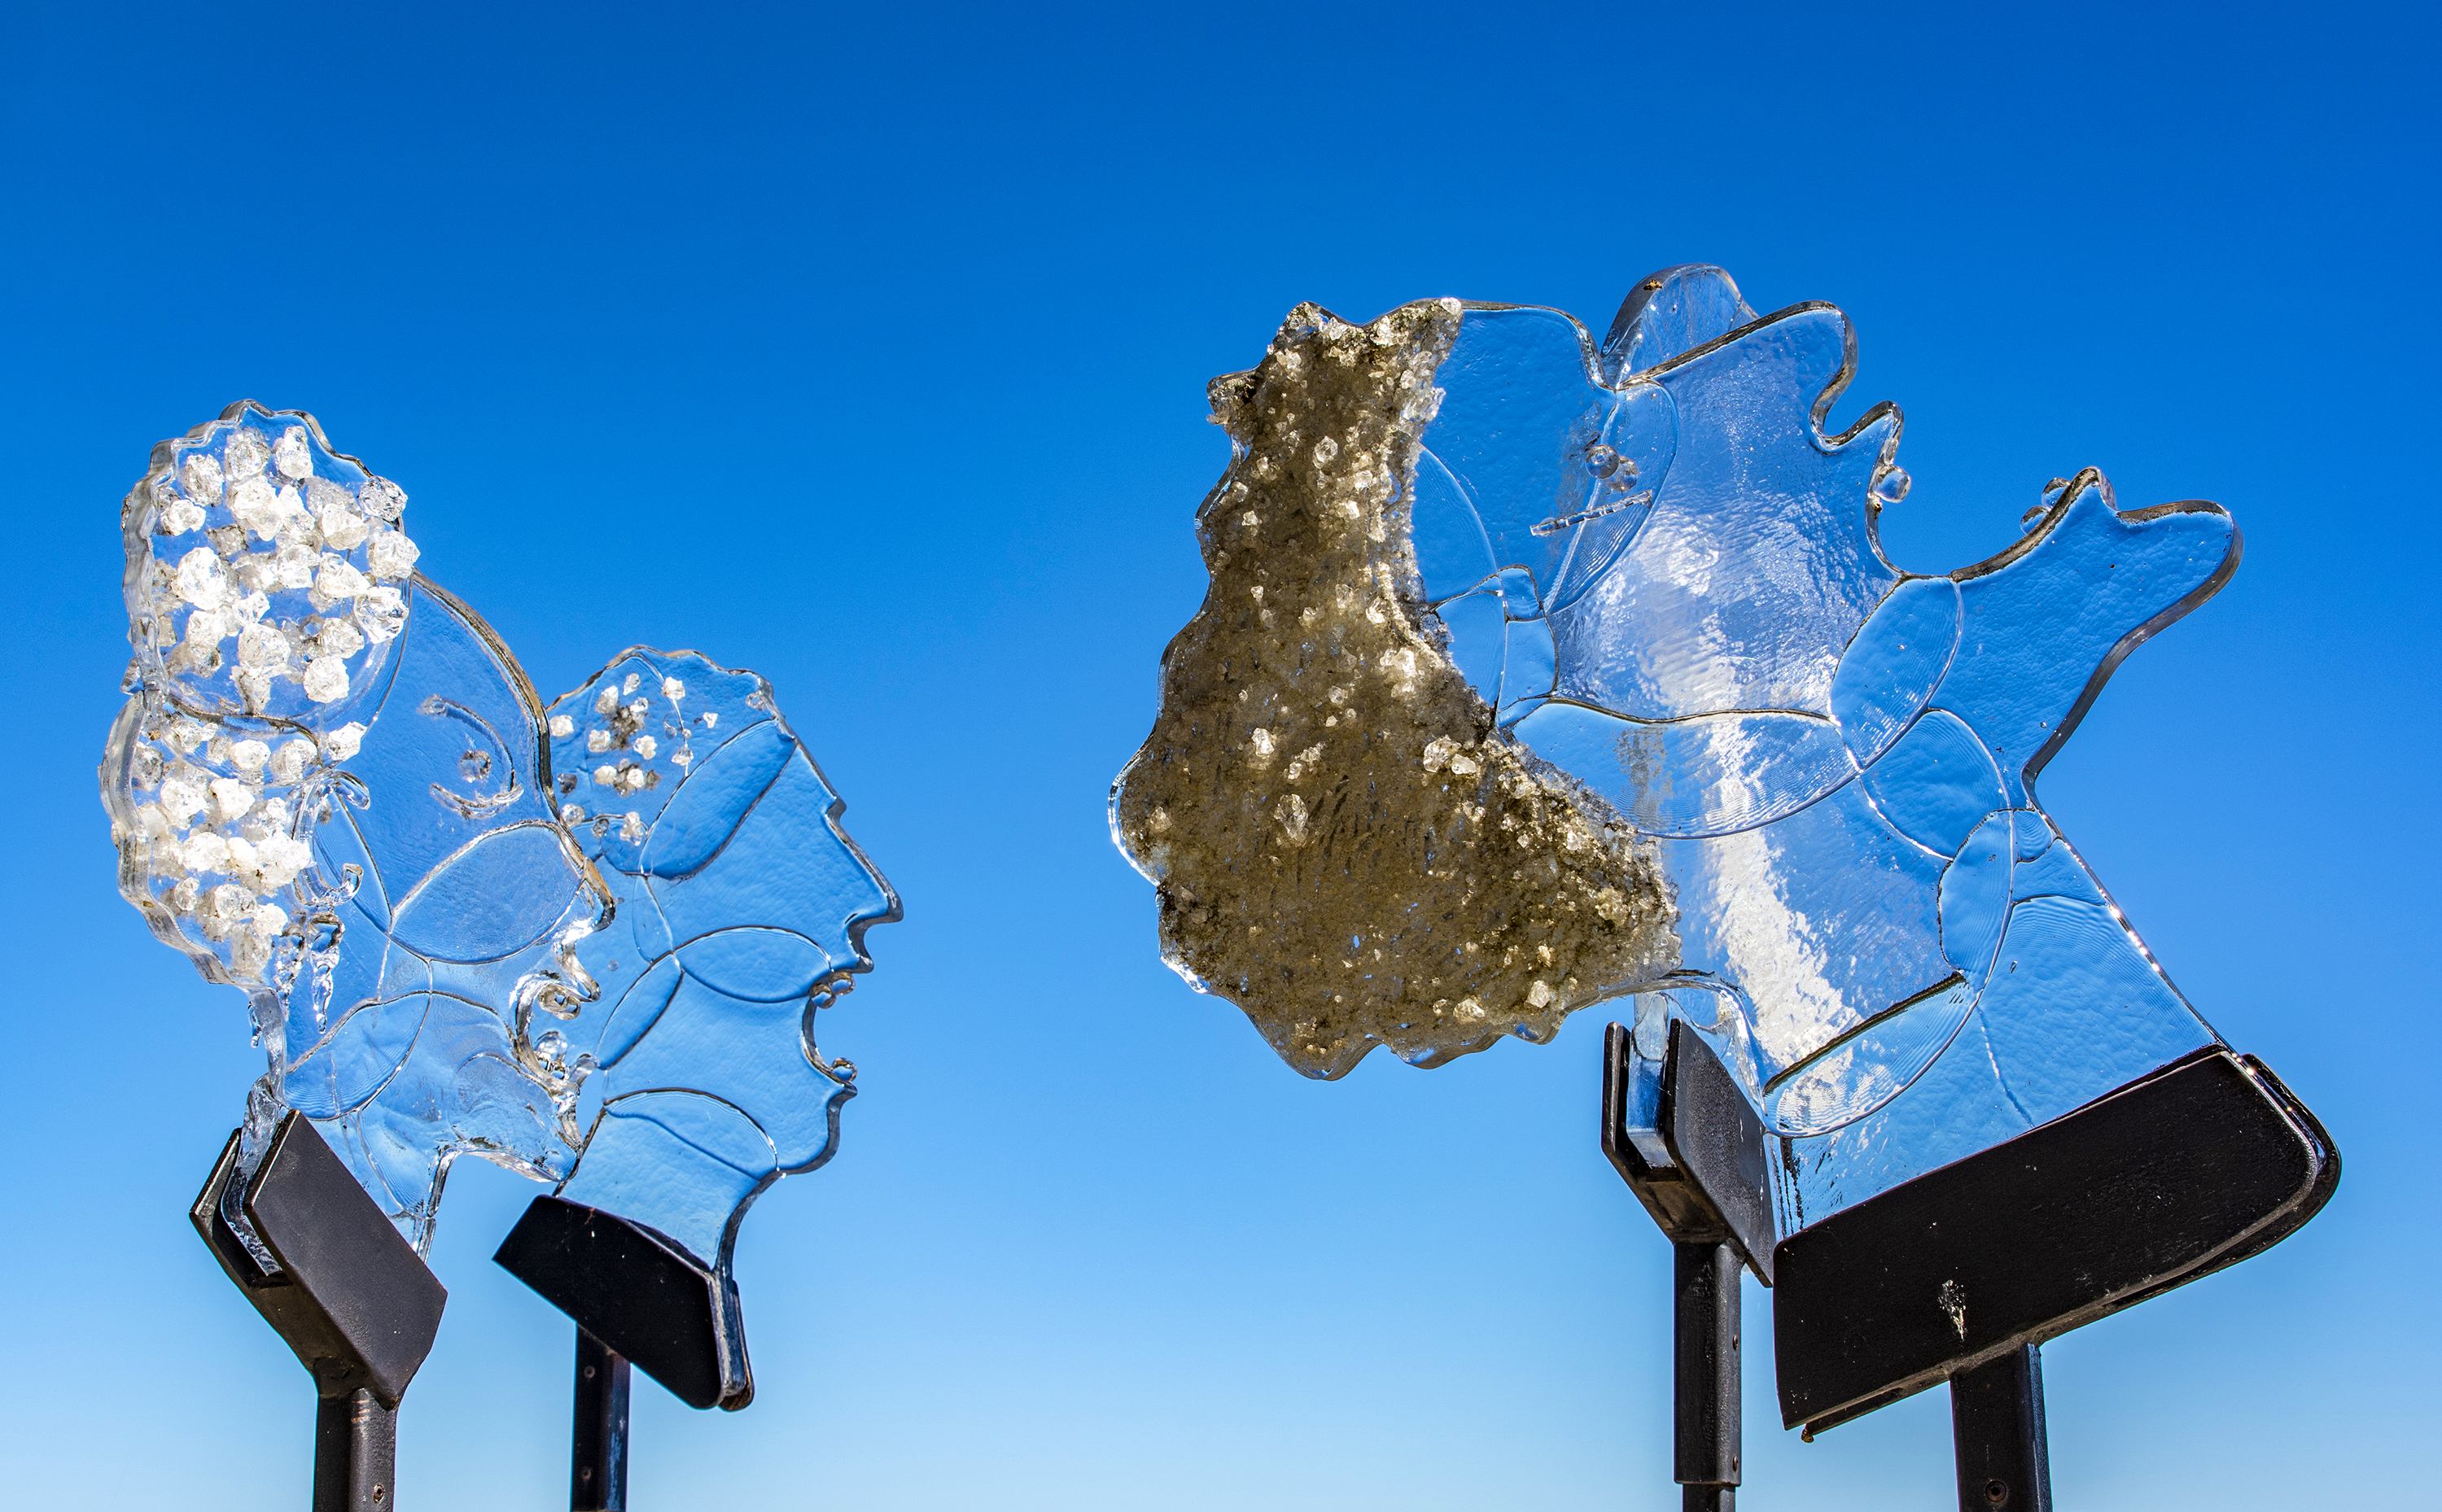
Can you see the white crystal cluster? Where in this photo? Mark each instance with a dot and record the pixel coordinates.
(214, 824)
(271, 570)
(621, 759)
(263, 589)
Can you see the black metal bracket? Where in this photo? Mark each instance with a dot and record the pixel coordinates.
(2189, 1169)
(636, 1296)
(1700, 1172)
(639, 1292)
(333, 1277)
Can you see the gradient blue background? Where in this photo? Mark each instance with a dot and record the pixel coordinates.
(868, 349)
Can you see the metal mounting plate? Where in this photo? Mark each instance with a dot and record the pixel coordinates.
(1701, 1173)
(2194, 1167)
(350, 1294)
(638, 1292)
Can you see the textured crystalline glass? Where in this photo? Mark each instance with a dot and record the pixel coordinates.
(1661, 580)
(333, 788)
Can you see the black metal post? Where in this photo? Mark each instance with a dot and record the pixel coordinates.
(1996, 1429)
(355, 1453)
(1704, 1339)
(598, 1479)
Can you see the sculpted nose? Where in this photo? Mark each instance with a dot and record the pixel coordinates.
(878, 902)
(863, 900)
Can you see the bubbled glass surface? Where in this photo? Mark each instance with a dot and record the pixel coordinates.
(586, 943)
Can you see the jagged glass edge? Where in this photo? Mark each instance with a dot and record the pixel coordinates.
(1601, 367)
(588, 877)
(2061, 495)
(832, 815)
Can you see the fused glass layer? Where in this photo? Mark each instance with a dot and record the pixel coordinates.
(1343, 848)
(333, 788)
(1659, 577)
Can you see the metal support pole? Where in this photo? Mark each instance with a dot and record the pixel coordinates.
(598, 1478)
(355, 1453)
(1996, 1429)
(1704, 1337)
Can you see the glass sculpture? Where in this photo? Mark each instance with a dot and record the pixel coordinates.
(1537, 672)
(586, 943)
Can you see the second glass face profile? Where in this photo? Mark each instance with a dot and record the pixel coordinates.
(1538, 672)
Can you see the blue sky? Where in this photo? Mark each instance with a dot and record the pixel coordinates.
(867, 348)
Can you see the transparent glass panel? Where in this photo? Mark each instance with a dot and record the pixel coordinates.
(586, 943)
(741, 910)
(1641, 583)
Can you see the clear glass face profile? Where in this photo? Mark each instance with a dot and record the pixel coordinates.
(586, 941)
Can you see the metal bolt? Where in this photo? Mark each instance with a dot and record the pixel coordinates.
(1996, 1492)
(588, 1373)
